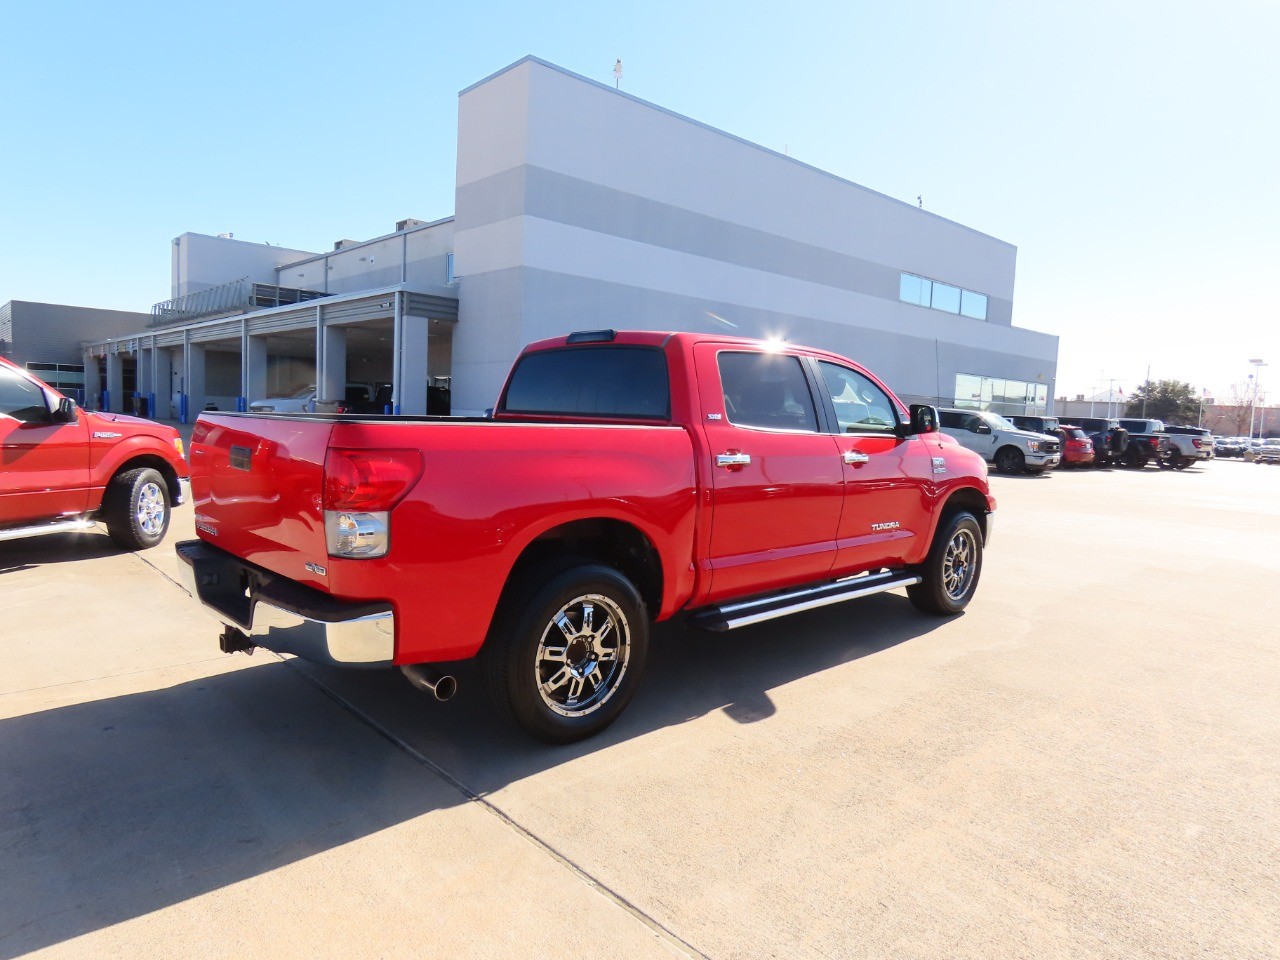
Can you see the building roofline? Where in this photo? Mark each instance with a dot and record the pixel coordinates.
(364, 243)
(70, 306)
(251, 243)
(706, 126)
(437, 290)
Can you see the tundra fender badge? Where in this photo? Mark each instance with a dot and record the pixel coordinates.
(890, 525)
(202, 523)
(105, 435)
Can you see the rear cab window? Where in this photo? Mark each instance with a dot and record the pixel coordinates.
(766, 390)
(605, 381)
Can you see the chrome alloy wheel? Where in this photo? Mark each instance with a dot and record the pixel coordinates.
(583, 655)
(150, 510)
(959, 564)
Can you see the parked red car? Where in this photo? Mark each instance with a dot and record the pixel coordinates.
(67, 469)
(1077, 448)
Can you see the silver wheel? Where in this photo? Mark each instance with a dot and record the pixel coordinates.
(958, 564)
(583, 655)
(151, 509)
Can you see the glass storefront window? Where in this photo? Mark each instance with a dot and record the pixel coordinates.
(999, 395)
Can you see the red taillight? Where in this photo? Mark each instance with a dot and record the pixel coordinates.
(369, 480)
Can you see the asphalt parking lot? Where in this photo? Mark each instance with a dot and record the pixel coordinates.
(1084, 764)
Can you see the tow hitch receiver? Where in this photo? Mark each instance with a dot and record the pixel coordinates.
(233, 641)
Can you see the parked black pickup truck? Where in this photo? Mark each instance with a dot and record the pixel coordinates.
(1172, 447)
(1110, 440)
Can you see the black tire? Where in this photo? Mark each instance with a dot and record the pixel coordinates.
(1181, 463)
(136, 508)
(1132, 458)
(1010, 460)
(951, 571)
(1035, 471)
(520, 667)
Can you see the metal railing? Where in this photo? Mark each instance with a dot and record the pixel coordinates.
(227, 300)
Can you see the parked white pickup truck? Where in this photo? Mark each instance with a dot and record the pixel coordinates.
(998, 441)
(304, 401)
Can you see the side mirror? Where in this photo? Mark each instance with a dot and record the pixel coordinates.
(66, 412)
(924, 419)
(981, 428)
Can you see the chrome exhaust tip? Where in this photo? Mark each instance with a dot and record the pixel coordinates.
(442, 686)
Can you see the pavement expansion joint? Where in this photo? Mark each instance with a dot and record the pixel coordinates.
(663, 933)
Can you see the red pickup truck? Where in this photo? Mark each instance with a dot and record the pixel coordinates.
(622, 478)
(66, 469)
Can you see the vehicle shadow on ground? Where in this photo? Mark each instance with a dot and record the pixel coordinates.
(690, 674)
(56, 548)
(113, 809)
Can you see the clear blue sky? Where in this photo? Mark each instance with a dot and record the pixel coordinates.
(1130, 149)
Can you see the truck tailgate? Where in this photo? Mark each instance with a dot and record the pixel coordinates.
(257, 485)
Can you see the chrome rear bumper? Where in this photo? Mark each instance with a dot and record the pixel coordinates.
(287, 617)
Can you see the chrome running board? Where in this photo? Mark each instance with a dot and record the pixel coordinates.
(730, 616)
(79, 524)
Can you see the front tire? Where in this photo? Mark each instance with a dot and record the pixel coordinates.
(136, 508)
(950, 573)
(1010, 460)
(565, 655)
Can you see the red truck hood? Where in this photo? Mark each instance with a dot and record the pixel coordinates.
(134, 424)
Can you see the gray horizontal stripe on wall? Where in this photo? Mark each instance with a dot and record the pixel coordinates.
(536, 192)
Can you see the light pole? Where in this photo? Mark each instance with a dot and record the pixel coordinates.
(1253, 405)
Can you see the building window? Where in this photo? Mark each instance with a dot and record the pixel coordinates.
(923, 292)
(915, 290)
(973, 304)
(1000, 395)
(449, 275)
(946, 298)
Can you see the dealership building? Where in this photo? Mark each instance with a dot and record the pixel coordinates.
(578, 206)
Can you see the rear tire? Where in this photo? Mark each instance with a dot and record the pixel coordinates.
(1132, 459)
(950, 573)
(136, 508)
(565, 654)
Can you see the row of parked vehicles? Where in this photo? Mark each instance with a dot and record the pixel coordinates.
(1034, 444)
(1255, 449)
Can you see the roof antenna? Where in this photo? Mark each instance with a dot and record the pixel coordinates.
(920, 201)
(617, 73)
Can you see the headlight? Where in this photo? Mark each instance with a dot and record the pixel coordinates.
(1033, 445)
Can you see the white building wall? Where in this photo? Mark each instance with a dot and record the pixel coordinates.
(580, 206)
(416, 256)
(200, 262)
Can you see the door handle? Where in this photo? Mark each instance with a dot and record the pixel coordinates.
(733, 459)
(855, 456)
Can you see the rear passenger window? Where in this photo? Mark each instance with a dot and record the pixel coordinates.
(767, 390)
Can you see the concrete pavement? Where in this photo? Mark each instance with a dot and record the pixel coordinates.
(1082, 765)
